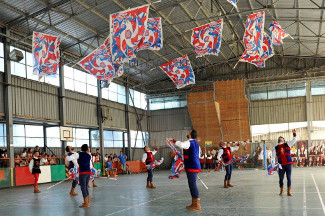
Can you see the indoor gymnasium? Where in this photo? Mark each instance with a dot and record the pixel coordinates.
(162, 107)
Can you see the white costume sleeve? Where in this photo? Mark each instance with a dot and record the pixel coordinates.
(292, 142)
(144, 157)
(154, 151)
(273, 154)
(219, 154)
(74, 158)
(183, 145)
(31, 164)
(234, 148)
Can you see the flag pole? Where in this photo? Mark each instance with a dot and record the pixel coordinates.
(236, 64)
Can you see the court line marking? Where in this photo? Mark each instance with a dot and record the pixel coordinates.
(141, 204)
(305, 202)
(320, 197)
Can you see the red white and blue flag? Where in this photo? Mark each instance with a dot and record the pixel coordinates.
(46, 54)
(126, 31)
(233, 2)
(180, 71)
(99, 63)
(206, 39)
(253, 35)
(265, 52)
(153, 36)
(277, 33)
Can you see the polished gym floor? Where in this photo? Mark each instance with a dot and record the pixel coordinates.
(254, 194)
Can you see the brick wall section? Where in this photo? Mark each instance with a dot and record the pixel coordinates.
(233, 110)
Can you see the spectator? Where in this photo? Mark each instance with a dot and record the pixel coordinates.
(37, 149)
(17, 161)
(52, 159)
(109, 167)
(24, 153)
(261, 157)
(98, 154)
(122, 157)
(111, 156)
(44, 160)
(106, 158)
(115, 159)
(4, 162)
(30, 153)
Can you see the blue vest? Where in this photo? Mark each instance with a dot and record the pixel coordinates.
(71, 164)
(192, 157)
(84, 162)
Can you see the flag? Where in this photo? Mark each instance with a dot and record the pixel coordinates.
(180, 71)
(99, 63)
(253, 35)
(207, 38)
(46, 54)
(233, 2)
(258, 58)
(152, 38)
(277, 33)
(126, 30)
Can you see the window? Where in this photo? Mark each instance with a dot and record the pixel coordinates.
(278, 91)
(3, 141)
(53, 137)
(95, 138)
(168, 102)
(318, 88)
(257, 130)
(81, 136)
(138, 99)
(138, 139)
(24, 68)
(115, 92)
(113, 139)
(80, 81)
(28, 135)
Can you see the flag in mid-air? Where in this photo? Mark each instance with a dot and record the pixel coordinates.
(180, 71)
(233, 2)
(46, 54)
(253, 35)
(258, 58)
(277, 33)
(126, 31)
(207, 38)
(152, 38)
(99, 63)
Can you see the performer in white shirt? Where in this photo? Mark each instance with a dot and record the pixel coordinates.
(148, 158)
(226, 154)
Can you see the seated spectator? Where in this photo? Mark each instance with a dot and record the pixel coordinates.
(30, 153)
(111, 156)
(106, 158)
(52, 159)
(44, 160)
(4, 163)
(24, 153)
(108, 167)
(98, 154)
(17, 161)
(115, 159)
(37, 149)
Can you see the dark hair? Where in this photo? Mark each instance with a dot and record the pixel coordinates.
(67, 149)
(84, 147)
(36, 146)
(194, 134)
(97, 149)
(25, 149)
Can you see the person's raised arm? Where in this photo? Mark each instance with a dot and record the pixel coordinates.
(183, 145)
(292, 142)
(219, 154)
(235, 148)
